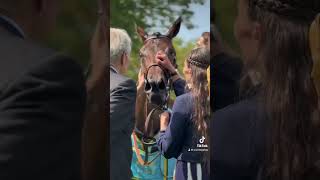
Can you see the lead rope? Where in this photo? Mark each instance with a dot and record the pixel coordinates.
(165, 107)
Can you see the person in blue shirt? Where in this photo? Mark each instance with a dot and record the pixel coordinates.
(185, 136)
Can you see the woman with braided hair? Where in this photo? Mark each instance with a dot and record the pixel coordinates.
(185, 135)
(273, 133)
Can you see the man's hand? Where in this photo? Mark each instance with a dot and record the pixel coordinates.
(140, 84)
(164, 120)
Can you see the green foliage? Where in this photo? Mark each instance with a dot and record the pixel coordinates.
(150, 15)
(78, 19)
(126, 14)
(226, 12)
(76, 23)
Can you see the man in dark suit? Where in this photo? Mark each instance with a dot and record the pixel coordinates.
(122, 105)
(42, 97)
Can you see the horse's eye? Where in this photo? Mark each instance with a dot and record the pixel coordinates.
(172, 53)
(140, 55)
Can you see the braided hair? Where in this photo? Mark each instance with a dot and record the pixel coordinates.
(288, 93)
(295, 10)
(198, 61)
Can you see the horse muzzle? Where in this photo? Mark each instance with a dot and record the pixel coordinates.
(156, 92)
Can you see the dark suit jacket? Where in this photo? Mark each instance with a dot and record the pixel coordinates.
(122, 111)
(42, 101)
(225, 77)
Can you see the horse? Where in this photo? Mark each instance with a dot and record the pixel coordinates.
(155, 97)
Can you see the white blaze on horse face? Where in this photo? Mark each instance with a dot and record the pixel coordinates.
(156, 74)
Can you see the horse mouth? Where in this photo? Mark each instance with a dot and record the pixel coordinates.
(158, 99)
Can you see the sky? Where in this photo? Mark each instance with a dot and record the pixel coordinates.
(201, 20)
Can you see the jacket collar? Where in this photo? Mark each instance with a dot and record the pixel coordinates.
(113, 69)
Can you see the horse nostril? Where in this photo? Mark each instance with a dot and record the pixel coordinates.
(162, 85)
(147, 87)
(152, 86)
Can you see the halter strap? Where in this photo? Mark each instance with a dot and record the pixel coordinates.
(168, 88)
(156, 65)
(156, 35)
(168, 83)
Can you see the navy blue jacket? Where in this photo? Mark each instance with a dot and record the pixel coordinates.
(238, 137)
(237, 141)
(179, 87)
(180, 138)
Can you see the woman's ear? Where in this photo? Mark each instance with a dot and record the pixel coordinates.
(189, 70)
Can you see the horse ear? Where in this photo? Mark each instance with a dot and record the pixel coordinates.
(174, 29)
(143, 35)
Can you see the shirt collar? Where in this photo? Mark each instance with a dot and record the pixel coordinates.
(114, 69)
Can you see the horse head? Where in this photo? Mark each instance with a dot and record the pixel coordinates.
(157, 79)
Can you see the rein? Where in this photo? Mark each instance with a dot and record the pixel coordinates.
(162, 107)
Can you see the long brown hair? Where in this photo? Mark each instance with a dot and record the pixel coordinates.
(198, 61)
(288, 94)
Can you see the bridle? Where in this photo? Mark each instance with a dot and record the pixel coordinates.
(145, 140)
(168, 82)
(167, 75)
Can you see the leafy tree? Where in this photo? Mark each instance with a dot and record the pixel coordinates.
(127, 14)
(225, 16)
(78, 18)
(76, 23)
